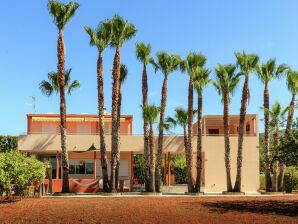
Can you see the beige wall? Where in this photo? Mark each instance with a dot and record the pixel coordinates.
(215, 174)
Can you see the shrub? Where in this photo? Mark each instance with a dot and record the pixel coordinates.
(291, 179)
(15, 168)
(262, 182)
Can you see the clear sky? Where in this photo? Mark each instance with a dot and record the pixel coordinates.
(215, 28)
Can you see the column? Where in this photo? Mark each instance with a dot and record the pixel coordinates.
(57, 165)
(94, 161)
(169, 169)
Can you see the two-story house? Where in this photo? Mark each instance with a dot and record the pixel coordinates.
(43, 140)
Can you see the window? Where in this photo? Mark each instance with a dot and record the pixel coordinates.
(213, 131)
(81, 167)
(83, 128)
(49, 129)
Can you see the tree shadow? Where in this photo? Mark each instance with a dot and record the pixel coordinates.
(285, 208)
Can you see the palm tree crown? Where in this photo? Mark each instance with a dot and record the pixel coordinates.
(292, 81)
(150, 113)
(167, 63)
(201, 78)
(122, 31)
(180, 118)
(52, 85)
(269, 70)
(226, 79)
(101, 36)
(143, 52)
(62, 12)
(277, 114)
(192, 63)
(246, 62)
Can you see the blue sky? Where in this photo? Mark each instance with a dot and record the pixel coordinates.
(215, 28)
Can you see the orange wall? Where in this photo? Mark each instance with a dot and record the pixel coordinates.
(72, 126)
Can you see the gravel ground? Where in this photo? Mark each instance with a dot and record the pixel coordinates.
(152, 210)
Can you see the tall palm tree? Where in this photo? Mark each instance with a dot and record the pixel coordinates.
(150, 113)
(123, 77)
(191, 64)
(143, 55)
(226, 82)
(62, 13)
(167, 64)
(266, 73)
(292, 83)
(122, 31)
(201, 80)
(277, 116)
(100, 38)
(247, 64)
(50, 86)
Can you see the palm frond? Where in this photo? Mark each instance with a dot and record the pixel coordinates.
(143, 52)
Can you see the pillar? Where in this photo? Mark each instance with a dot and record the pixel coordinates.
(131, 171)
(57, 165)
(94, 162)
(169, 169)
(165, 169)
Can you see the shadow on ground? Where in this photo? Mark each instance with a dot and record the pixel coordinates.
(285, 208)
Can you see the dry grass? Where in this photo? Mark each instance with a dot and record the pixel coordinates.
(152, 210)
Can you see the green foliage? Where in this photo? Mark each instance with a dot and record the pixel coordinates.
(143, 52)
(262, 182)
(52, 85)
(150, 113)
(291, 179)
(166, 63)
(288, 148)
(62, 12)
(15, 168)
(138, 169)
(292, 81)
(8, 143)
(178, 168)
(123, 73)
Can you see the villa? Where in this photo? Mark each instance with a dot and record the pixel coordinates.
(43, 140)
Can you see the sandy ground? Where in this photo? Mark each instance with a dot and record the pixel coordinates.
(152, 210)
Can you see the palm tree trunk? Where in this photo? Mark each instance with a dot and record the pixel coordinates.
(199, 144)
(152, 159)
(103, 156)
(189, 144)
(118, 121)
(282, 169)
(290, 116)
(161, 128)
(115, 137)
(237, 187)
(64, 154)
(266, 138)
(227, 141)
(145, 128)
(275, 159)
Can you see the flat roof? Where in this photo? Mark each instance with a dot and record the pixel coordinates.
(82, 115)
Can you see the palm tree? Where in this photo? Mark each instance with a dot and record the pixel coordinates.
(150, 113)
(143, 55)
(191, 64)
(247, 64)
(50, 86)
(167, 64)
(226, 82)
(266, 73)
(123, 77)
(292, 83)
(122, 31)
(62, 13)
(277, 116)
(200, 82)
(100, 38)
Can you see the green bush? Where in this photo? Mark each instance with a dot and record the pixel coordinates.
(291, 179)
(16, 168)
(262, 182)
